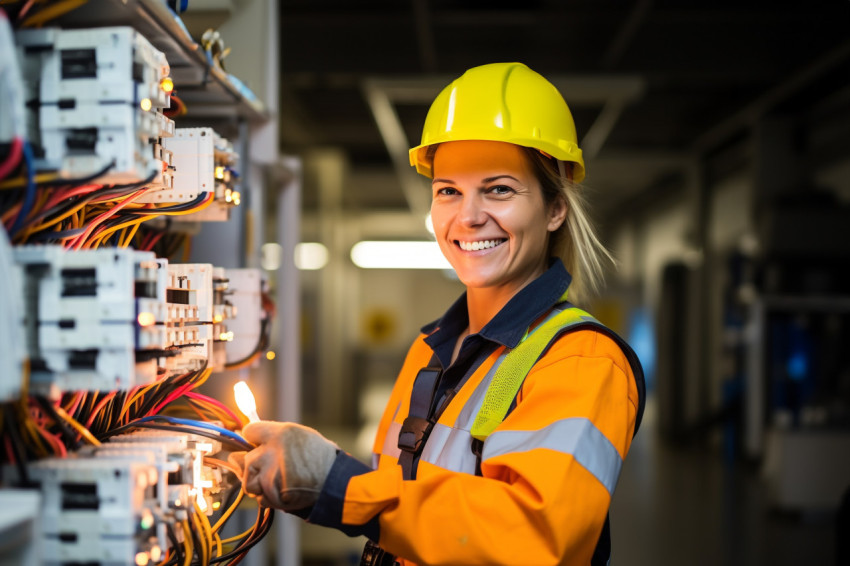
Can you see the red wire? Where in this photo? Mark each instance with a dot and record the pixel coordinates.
(174, 395)
(153, 240)
(78, 242)
(13, 159)
(10, 454)
(102, 403)
(216, 402)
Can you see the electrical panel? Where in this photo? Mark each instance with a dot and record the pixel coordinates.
(100, 96)
(112, 450)
(203, 161)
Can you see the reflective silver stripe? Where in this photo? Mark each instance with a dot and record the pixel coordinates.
(449, 448)
(578, 437)
(391, 440)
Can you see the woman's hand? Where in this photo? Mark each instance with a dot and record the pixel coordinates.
(288, 467)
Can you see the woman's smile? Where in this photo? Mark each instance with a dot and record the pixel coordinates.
(478, 245)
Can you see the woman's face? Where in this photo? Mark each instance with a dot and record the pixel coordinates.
(489, 215)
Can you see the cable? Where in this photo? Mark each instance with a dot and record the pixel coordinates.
(187, 542)
(29, 193)
(264, 523)
(173, 428)
(52, 11)
(12, 160)
(200, 424)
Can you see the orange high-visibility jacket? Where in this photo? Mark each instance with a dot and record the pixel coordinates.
(548, 471)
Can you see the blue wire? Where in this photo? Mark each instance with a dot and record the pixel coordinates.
(29, 195)
(199, 424)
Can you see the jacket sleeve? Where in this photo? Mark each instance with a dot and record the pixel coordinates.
(548, 472)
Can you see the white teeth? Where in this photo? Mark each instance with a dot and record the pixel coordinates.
(481, 245)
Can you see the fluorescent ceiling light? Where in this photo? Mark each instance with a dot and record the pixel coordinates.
(270, 256)
(398, 255)
(310, 256)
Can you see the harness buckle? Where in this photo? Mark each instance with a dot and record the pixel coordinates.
(414, 430)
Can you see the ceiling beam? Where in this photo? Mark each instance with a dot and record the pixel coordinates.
(626, 33)
(412, 184)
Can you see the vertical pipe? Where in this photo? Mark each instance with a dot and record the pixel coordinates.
(288, 402)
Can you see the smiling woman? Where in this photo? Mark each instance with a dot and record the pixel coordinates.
(507, 427)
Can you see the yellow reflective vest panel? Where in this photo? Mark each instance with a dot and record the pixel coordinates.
(548, 470)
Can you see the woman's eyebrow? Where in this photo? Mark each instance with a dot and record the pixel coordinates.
(491, 179)
(485, 180)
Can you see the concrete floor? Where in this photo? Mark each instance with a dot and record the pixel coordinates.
(688, 506)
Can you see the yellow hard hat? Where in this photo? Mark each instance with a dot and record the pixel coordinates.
(505, 102)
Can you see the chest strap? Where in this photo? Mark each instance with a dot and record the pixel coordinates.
(418, 423)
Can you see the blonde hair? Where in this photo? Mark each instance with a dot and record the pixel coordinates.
(575, 241)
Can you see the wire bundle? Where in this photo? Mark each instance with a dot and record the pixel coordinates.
(81, 214)
(36, 427)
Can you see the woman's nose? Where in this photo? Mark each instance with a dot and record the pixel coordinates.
(472, 211)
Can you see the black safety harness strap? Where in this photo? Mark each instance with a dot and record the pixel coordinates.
(419, 422)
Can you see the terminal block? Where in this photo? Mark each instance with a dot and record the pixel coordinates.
(190, 481)
(91, 316)
(98, 510)
(100, 92)
(245, 326)
(189, 296)
(12, 346)
(203, 162)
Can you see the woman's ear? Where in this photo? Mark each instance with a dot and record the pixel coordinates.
(557, 213)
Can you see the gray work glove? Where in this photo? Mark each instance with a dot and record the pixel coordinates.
(288, 467)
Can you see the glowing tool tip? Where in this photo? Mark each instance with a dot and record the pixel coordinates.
(245, 401)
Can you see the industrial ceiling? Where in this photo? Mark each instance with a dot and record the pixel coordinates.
(652, 84)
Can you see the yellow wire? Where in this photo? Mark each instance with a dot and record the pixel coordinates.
(223, 519)
(130, 236)
(34, 435)
(239, 536)
(77, 426)
(205, 524)
(109, 231)
(58, 219)
(201, 535)
(20, 182)
(52, 11)
(187, 543)
(128, 402)
(218, 545)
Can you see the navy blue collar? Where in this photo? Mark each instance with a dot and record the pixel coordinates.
(510, 324)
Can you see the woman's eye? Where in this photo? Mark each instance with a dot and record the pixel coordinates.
(501, 190)
(447, 191)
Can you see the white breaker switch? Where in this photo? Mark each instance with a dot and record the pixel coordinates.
(85, 322)
(99, 99)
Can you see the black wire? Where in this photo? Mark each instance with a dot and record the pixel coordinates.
(176, 208)
(178, 551)
(196, 542)
(137, 184)
(163, 391)
(65, 429)
(262, 342)
(17, 445)
(255, 537)
(79, 181)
